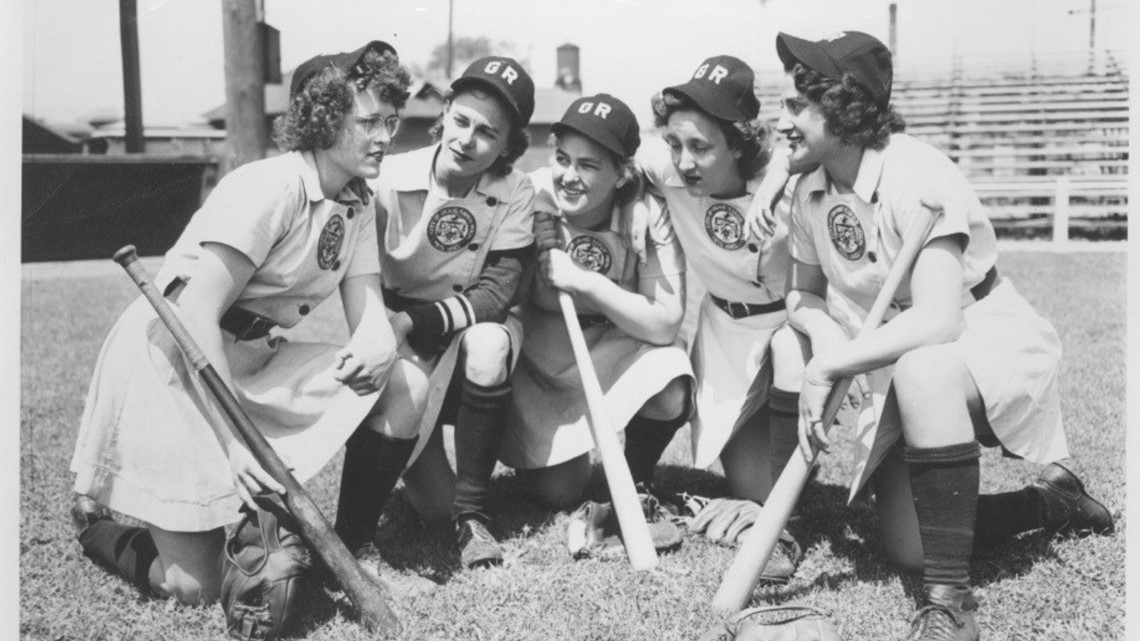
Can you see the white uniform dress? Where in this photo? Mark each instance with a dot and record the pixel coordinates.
(1012, 353)
(730, 355)
(146, 447)
(548, 423)
(433, 247)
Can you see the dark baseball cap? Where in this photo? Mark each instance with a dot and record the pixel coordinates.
(722, 86)
(343, 61)
(605, 120)
(854, 52)
(507, 79)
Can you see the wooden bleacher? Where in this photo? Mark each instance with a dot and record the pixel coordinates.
(1043, 140)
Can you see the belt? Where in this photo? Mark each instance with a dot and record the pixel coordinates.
(245, 325)
(982, 289)
(743, 310)
(586, 321)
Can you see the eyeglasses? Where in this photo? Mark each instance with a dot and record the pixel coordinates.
(372, 124)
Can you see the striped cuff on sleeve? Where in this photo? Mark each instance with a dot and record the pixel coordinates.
(441, 317)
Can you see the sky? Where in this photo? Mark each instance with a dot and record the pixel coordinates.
(631, 48)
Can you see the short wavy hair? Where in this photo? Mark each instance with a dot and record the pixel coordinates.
(627, 167)
(752, 137)
(850, 112)
(316, 113)
(518, 139)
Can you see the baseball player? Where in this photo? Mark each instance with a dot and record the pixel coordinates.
(963, 362)
(629, 315)
(454, 222)
(712, 168)
(274, 239)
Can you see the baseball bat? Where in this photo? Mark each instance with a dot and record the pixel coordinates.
(369, 598)
(744, 572)
(634, 530)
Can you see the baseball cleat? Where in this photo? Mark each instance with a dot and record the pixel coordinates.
(1068, 508)
(85, 511)
(949, 615)
(477, 546)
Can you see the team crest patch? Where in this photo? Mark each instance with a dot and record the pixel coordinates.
(725, 226)
(328, 246)
(591, 253)
(846, 232)
(450, 229)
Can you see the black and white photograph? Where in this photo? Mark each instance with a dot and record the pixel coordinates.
(579, 320)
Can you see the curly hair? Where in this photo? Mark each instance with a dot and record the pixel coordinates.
(627, 169)
(518, 139)
(752, 138)
(315, 114)
(850, 112)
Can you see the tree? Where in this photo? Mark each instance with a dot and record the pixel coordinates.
(468, 49)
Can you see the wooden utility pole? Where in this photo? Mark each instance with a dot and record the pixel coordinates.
(450, 39)
(132, 86)
(1092, 38)
(246, 132)
(894, 38)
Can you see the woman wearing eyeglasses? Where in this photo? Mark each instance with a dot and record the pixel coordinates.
(273, 240)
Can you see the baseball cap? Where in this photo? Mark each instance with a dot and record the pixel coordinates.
(605, 120)
(507, 79)
(722, 86)
(853, 52)
(345, 61)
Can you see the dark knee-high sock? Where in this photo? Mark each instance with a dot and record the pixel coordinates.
(479, 425)
(783, 428)
(1003, 516)
(373, 464)
(128, 550)
(645, 442)
(944, 482)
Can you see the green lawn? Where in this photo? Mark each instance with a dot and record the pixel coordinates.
(1035, 589)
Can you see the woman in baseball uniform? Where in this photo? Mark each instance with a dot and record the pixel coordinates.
(454, 223)
(629, 315)
(963, 362)
(747, 362)
(273, 240)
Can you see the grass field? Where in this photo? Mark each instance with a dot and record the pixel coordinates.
(1036, 588)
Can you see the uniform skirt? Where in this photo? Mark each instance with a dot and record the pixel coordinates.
(733, 366)
(148, 445)
(1014, 356)
(548, 423)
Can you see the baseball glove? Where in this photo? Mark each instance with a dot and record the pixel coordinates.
(776, 623)
(265, 573)
(594, 532)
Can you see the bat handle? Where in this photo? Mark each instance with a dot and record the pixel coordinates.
(128, 258)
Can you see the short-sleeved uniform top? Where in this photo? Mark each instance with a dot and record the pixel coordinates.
(1012, 353)
(434, 246)
(730, 355)
(548, 422)
(146, 446)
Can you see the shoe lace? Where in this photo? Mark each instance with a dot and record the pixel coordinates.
(934, 622)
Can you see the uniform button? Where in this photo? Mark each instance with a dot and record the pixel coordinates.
(752, 247)
(473, 246)
(336, 265)
(457, 288)
(492, 201)
(351, 213)
(872, 257)
(303, 309)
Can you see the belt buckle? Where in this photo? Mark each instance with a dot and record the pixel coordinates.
(737, 309)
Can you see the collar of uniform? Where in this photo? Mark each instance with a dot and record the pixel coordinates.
(750, 187)
(614, 222)
(413, 173)
(815, 181)
(870, 171)
(307, 163)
